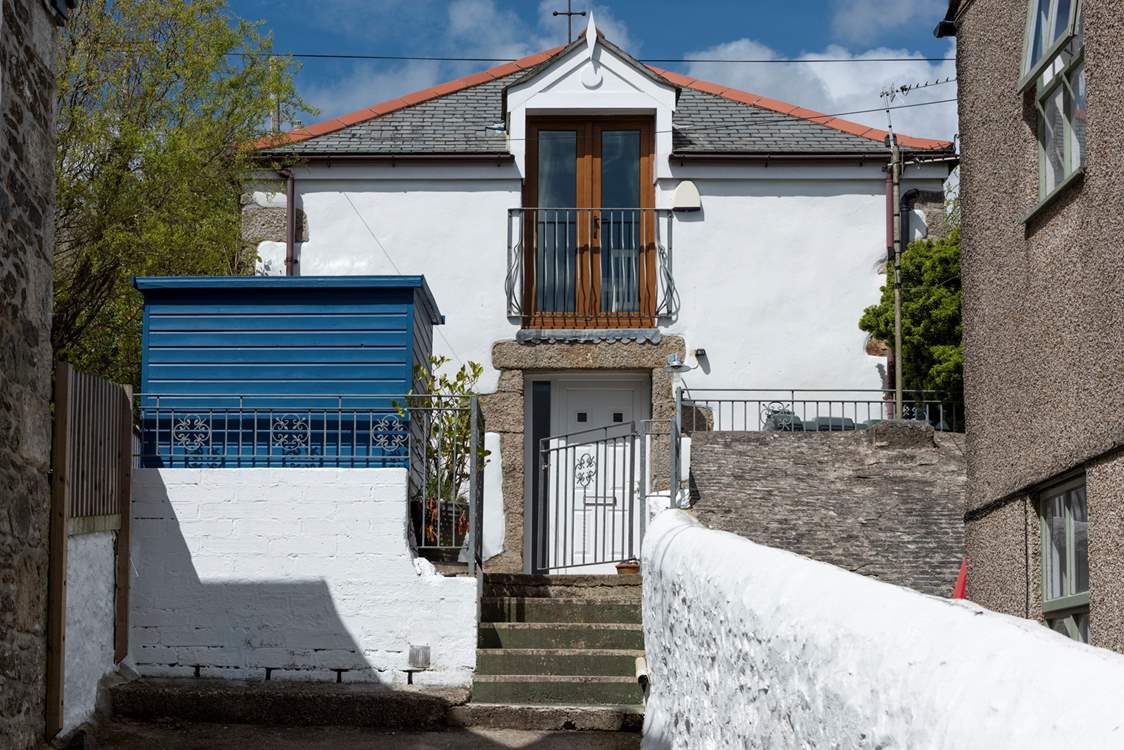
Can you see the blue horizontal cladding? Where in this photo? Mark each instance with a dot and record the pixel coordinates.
(277, 354)
(239, 358)
(311, 321)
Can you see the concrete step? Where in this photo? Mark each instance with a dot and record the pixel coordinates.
(557, 661)
(548, 718)
(560, 635)
(569, 690)
(557, 609)
(285, 703)
(584, 586)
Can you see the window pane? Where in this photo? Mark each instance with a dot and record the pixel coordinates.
(556, 232)
(1055, 548)
(1053, 135)
(1083, 625)
(620, 230)
(1061, 21)
(1058, 625)
(558, 169)
(1077, 116)
(1039, 22)
(1080, 512)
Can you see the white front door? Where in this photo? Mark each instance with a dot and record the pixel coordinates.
(592, 505)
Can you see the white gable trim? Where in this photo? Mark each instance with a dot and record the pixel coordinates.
(591, 79)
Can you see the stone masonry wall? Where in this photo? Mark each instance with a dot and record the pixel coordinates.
(26, 231)
(886, 503)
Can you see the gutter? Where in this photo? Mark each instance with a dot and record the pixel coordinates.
(482, 156)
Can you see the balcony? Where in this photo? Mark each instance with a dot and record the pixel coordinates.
(590, 268)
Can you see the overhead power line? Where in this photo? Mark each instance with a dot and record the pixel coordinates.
(434, 58)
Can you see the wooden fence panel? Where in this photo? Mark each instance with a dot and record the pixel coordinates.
(91, 474)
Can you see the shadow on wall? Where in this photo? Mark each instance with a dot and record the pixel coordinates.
(238, 574)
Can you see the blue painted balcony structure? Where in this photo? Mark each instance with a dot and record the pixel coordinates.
(282, 371)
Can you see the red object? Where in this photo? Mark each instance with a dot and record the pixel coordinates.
(960, 591)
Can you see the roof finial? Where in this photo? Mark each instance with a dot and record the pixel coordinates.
(591, 32)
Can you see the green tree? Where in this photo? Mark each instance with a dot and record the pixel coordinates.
(155, 114)
(933, 357)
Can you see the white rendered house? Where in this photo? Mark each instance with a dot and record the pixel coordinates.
(581, 217)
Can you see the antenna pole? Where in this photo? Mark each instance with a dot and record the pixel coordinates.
(569, 13)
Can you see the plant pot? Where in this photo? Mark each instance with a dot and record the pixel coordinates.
(628, 568)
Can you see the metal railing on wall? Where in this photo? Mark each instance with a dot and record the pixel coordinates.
(590, 267)
(809, 410)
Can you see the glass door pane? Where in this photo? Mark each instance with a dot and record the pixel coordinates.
(621, 230)
(555, 222)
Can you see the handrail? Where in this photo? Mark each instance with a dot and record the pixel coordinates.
(632, 286)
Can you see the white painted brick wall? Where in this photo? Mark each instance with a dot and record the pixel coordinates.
(300, 571)
(90, 575)
(753, 647)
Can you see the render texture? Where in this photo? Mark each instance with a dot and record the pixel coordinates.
(1043, 309)
(754, 647)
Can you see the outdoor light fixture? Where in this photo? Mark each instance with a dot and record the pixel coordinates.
(676, 365)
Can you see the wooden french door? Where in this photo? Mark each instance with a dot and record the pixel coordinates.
(589, 224)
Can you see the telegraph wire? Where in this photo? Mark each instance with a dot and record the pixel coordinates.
(664, 60)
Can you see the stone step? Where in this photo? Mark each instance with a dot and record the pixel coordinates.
(569, 690)
(557, 609)
(285, 703)
(560, 635)
(557, 661)
(626, 587)
(548, 718)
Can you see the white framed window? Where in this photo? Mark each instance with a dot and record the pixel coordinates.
(1064, 514)
(1054, 64)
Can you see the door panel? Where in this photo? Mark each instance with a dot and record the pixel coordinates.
(588, 507)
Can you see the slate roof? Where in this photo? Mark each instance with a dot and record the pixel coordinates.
(455, 118)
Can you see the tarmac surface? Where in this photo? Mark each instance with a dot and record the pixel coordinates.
(127, 735)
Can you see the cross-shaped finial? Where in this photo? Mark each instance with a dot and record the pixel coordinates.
(569, 13)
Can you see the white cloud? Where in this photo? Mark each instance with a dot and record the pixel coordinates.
(367, 84)
(841, 87)
(469, 28)
(864, 21)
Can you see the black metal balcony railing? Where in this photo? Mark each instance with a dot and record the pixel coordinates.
(590, 267)
(809, 410)
(438, 438)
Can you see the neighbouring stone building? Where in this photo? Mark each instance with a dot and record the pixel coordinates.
(27, 89)
(1043, 286)
(885, 502)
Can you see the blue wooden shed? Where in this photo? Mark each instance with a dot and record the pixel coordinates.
(292, 371)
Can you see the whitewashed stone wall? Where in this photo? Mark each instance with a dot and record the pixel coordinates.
(297, 571)
(753, 647)
(88, 657)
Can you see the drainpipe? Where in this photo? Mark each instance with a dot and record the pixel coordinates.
(908, 197)
(290, 222)
(889, 252)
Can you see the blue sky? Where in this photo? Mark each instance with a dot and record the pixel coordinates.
(703, 28)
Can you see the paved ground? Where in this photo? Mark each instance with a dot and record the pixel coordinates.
(177, 736)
